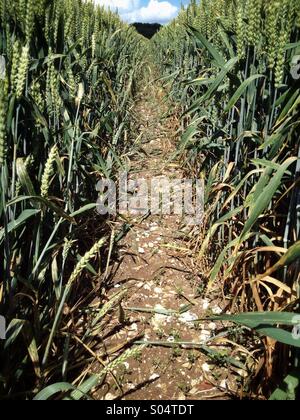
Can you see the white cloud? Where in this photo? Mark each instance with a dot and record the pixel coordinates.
(130, 10)
(155, 11)
(121, 5)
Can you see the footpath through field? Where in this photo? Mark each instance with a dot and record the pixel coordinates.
(156, 268)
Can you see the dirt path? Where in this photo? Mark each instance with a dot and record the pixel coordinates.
(156, 269)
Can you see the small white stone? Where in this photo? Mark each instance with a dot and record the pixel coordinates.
(126, 364)
(110, 396)
(195, 382)
(205, 304)
(205, 367)
(134, 327)
(242, 373)
(151, 245)
(154, 376)
(212, 326)
(117, 286)
(158, 321)
(158, 306)
(204, 336)
(217, 310)
(141, 250)
(188, 317)
(223, 384)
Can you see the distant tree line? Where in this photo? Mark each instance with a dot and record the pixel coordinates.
(148, 30)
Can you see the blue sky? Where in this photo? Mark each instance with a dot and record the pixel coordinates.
(161, 11)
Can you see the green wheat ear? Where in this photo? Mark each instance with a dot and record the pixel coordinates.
(29, 23)
(15, 65)
(134, 352)
(85, 260)
(298, 14)
(285, 18)
(22, 73)
(240, 32)
(3, 113)
(48, 172)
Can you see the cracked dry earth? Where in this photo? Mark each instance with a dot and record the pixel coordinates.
(158, 273)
